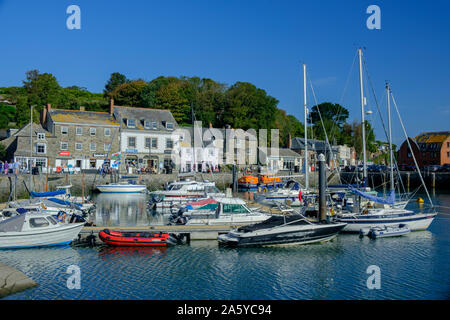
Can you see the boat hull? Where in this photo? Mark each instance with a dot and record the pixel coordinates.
(63, 235)
(135, 239)
(414, 222)
(121, 188)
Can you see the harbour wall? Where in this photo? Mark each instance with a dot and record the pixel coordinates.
(40, 183)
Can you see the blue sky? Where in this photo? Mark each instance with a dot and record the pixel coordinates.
(262, 42)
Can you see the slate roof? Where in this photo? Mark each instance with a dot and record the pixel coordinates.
(283, 152)
(433, 137)
(140, 115)
(82, 117)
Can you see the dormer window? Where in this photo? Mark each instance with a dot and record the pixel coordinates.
(154, 125)
(147, 124)
(131, 123)
(169, 125)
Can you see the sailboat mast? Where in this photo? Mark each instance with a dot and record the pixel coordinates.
(363, 123)
(30, 166)
(306, 128)
(391, 154)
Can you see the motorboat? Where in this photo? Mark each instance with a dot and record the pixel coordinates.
(36, 230)
(281, 230)
(229, 211)
(290, 193)
(62, 215)
(142, 239)
(386, 231)
(180, 192)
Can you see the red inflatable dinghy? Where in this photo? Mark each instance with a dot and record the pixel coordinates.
(116, 238)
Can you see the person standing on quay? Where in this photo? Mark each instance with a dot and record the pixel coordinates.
(5, 167)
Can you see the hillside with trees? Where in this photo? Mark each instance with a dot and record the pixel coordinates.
(241, 105)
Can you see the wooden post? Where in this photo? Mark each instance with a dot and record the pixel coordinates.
(82, 186)
(407, 180)
(433, 175)
(46, 180)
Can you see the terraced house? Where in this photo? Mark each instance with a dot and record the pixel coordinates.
(79, 139)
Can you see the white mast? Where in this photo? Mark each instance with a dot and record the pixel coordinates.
(30, 166)
(306, 128)
(363, 126)
(391, 155)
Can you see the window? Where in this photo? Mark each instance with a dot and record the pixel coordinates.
(38, 222)
(79, 131)
(41, 162)
(234, 208)
(93, 131)
(448, 144)
(93, 146)
(169, 125)
(64, 130)
(41, 136)
(64, 146)
(448, 154)
(169, 143)
(147, 124)
(147, 143)
(78, 146)
(131, 123)
(154, 143)
(52, 220)
(131, 142)
(154, 125)
(107, 147)
(107, 132)
(41, 148)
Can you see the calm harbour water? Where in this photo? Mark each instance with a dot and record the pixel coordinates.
(415, 266)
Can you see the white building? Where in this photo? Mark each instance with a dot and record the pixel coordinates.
(147, 138)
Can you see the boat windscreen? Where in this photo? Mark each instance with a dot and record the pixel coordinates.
(274, 221)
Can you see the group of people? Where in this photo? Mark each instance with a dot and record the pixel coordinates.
(13, 167)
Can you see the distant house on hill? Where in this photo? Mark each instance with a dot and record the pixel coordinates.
(430, 148)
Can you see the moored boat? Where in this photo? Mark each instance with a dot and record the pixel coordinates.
(116, 238)
(281, 230)
(389, 231)
(36, 230)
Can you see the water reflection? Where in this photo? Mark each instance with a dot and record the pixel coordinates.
(112, 253)
(123, 210)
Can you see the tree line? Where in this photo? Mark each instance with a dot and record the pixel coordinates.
(241, 105)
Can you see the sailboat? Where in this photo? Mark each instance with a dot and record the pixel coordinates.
(393, 213)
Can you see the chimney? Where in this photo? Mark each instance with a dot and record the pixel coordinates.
(289, 141)
(44, 114)
(82, 108)
(111, 106)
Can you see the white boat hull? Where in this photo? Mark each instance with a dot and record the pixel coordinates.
(121, 188)
(62, 235)
(235, 219)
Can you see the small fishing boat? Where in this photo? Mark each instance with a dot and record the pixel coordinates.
(388, 231)
(36, 230)
(116, 238)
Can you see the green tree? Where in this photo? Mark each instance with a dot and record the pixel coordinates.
(42, 88)
(116, 79)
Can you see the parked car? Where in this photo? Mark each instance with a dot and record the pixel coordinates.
(445, 168)
(350, 169)
(432, 168)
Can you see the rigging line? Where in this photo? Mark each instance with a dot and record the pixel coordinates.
(381, 117)
(333, 132)
(327, 142)
(412, 152)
